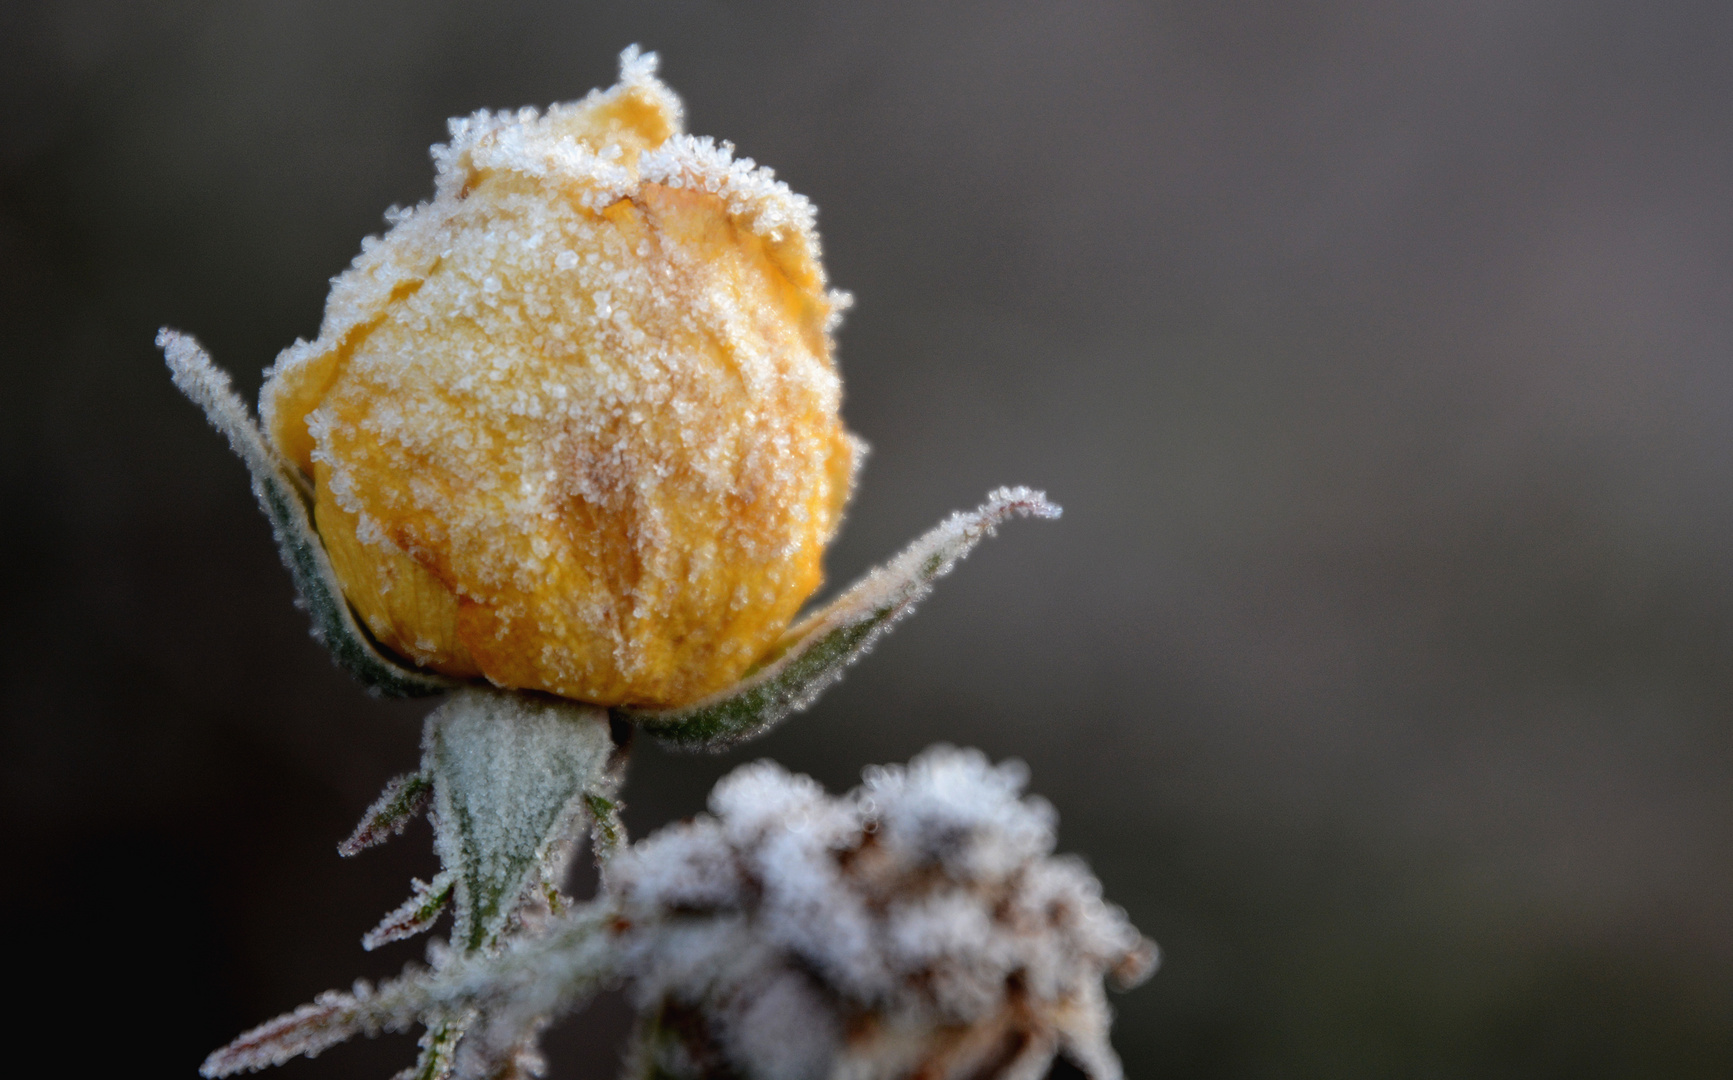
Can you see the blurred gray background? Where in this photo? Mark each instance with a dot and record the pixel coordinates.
(1379, 354)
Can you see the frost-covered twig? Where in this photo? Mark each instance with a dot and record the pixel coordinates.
(919, 925)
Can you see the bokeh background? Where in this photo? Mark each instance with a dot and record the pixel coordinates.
(1379, 354)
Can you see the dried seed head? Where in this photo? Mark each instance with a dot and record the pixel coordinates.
(920, 926)
(573, 424)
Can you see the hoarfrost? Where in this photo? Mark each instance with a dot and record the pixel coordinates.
(331, 1018)
(762, 203)
(510, 774)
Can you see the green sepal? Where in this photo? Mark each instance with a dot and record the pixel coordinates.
(403, 798)
(415, 915)
(283, 496)
(814, 654)
(438, 1055)
(511, 773)
(607, 830)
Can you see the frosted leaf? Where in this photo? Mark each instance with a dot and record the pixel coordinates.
(510, 773)
(414, 915)
(814, 653)
(403, 798)
(283, 497)
(331, 1018)
(438, 1056)
(478, 1008)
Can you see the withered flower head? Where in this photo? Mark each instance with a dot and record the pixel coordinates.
(573, 424)
(919, 927)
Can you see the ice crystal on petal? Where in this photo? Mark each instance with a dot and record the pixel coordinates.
(762, 203)
(590, 382)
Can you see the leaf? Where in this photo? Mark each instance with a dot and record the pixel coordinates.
(443, 1000)
(509, 775)
(331, 1018)
(415, 914)
(814, 653)
(403, 798)
(282, 495)
(607, 830)
(438, 1052)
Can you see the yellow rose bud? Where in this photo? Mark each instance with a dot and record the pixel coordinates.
(573, 424)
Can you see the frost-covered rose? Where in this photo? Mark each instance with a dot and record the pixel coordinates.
(573, 424)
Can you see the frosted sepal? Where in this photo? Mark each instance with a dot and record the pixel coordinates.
(438, 1058)
(331, 1018)
(415, 914)
(403, 798)
(282, 496)
(607, 829)
(815, 652)
(510, 775)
